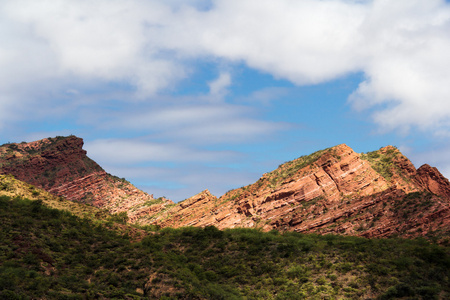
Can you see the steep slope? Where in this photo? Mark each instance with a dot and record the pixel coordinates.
(331, 191)
(16, 189)
(193, 211)
(60, 166)
(11, 187)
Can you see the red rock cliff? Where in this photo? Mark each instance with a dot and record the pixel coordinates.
(60, 166)
(331, 191)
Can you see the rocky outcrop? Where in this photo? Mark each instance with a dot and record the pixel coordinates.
(60, 166)
(48, 162)
(432, 180)
(190, 212)
(331, 191)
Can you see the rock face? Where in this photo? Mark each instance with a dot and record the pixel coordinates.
(61, 167)
(331, 191)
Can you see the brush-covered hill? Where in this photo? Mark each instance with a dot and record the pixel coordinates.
(47, 253)
(60, 166)
(12, 188)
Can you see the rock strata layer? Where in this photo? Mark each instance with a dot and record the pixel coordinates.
(335, 190)
(331, 191)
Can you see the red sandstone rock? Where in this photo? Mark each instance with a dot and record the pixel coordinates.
(331, 191)
(337, 192)
(60, 166)
(432, 180)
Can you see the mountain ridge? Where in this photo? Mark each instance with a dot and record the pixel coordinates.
(334, 190)
(330, 191)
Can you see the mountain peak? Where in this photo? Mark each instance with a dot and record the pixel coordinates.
(334, 190)
(61, 166)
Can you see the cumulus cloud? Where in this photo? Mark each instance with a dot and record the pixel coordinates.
(402, 47)
(85, 40)
(408, 65)
(304, 41)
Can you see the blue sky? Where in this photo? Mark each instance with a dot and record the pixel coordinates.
(180, 96)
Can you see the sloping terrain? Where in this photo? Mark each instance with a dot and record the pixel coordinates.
(60, 166)
(16, 189)
(51, 254)
(11, 187)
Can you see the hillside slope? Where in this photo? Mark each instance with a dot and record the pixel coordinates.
(49, 254)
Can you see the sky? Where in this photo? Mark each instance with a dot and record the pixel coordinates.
(181, 96)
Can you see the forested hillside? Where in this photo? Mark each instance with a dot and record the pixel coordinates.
(52, 254)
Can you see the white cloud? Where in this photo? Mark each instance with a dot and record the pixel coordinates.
(402, 47)
(130, 151)
(87, 40)
(218, 87)
(195, 124)
(303, 41)
(266, 95)
(408, 68)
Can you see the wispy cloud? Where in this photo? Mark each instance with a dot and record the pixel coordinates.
(130, 151)
(218, 87)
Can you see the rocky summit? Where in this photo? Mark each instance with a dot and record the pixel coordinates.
(335, 190)
(60, 166)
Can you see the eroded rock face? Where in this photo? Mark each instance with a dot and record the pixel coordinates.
(48, 162)
(332, 191)
(432, 180)
(60, 166)
(190, 212)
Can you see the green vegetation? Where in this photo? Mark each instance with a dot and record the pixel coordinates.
(9, 186)
(52, 254)
(116, 178)
(155, 201)
(289, 169)
(121, 218)
(383, 163)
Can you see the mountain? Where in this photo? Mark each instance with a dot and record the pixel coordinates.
(335, 190)
(53, 248)
(60, 166)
